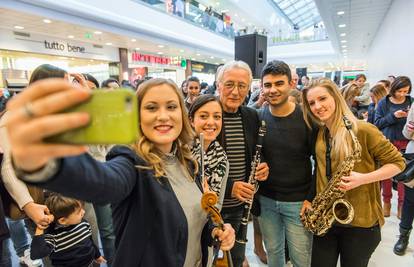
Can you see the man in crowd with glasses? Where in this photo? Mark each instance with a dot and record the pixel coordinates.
(239, 136)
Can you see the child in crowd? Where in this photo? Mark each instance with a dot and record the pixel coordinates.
(68, 239)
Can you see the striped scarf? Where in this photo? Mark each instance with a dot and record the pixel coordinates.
(215, 163)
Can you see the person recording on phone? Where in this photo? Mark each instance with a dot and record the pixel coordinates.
(390, 117)
(152, 184)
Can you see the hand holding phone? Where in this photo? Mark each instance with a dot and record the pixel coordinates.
(113, 119)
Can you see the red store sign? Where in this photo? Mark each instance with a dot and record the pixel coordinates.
(152, 59)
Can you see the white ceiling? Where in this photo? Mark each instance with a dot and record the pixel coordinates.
(60, 29)
(362, 18)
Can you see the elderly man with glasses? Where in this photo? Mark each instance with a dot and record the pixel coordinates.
(238, 137)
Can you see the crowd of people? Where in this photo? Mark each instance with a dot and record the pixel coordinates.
(142, 201)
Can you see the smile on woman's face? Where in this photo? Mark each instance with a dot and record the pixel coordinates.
(321, 103)
(208, 120)
(161, 116)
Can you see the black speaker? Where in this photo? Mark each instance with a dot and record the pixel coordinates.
(252, 49)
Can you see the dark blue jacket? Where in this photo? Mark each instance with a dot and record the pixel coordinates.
(150, 225)
(385, 120)
(371, 113)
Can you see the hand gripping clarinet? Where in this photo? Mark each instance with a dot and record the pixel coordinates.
(241, 234)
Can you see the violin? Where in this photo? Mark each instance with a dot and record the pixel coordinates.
(208, 202)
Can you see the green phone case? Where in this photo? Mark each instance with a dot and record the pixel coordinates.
(114, 119)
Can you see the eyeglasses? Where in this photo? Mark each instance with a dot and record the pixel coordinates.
(229, 86)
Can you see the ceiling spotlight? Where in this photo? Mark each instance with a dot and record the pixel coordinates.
(160, 53)
(133, 40)
(223, 59)
(108, 43)
(342, 25)
(137, 48)
(71, 36)
(340, 13)
(47, 21)
(161, 46)
(181, 51)
(198, 54)
(19, 27)
(344, 46)
(193, 59)
(97, 32)
(344, 51)
(343, 41)
(343, 34)
(212, 57)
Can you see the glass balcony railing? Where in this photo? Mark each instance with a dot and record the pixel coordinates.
(318, 34)
(193, 15)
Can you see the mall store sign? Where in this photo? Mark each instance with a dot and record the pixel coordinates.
(137, 58)
(36, 43)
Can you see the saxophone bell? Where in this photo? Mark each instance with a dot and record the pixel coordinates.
(343, 211)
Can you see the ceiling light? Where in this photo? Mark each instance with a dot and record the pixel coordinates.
(340, 13)
(198, 54)
(344, 46)
(236, 15)
(243, 19)
(19, 27)
(64, 58)
(160, 53)
(223, 59)
(133, 40)
(343, 41)
(160, 46)
(217, 3)
(193, 59)
(344, 51)
(108, 43)
(47, 21)
(343, 34)
(250, 24)
(181, 51)
(137, 48)
(342, 25)
(212, 57)
(97, 32)
(71, 36)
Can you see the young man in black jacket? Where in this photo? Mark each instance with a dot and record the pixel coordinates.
(287, 148)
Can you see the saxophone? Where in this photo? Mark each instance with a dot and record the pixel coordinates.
(329, 205)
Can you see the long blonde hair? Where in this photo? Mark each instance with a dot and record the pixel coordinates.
(146, 149)
(342, 144)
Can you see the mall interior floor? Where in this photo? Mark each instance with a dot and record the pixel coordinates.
(383, 256)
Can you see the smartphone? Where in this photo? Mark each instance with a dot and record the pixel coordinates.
(113, 119)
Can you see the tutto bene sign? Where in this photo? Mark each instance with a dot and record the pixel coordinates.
(37, 43)
(140, 58)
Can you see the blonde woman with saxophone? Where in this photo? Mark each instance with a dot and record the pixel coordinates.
(348, 152)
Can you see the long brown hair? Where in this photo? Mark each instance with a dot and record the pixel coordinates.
(146, 149)
(342, 143)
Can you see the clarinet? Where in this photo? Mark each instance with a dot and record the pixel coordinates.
(242, 232)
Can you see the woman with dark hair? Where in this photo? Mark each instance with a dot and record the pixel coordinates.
(47, 71)
(153, 183)
(110, 83)
(184, 88)
(348, 151)
(390, 117)
(206, 116)
(90, 81)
